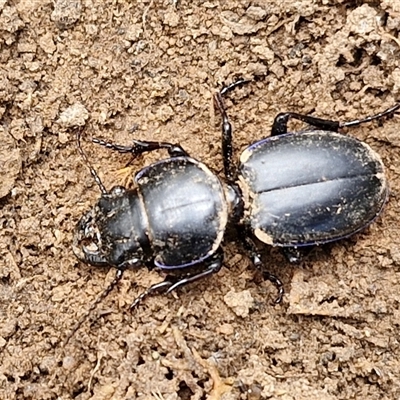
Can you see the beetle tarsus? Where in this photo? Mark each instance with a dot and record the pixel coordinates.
(387, 113)
(279, 126)
(157, 287)
(227, 148)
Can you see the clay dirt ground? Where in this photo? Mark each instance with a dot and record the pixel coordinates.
(147, 70)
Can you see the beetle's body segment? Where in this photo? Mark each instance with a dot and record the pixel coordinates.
(311, 187)
(186, 210)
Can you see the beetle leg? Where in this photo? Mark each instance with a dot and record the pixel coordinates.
(279, 126)
(227, 149)
(294, 254)
(158, 287)
(256, 259)
(382, 114)
(171, 284)
(214, 267)
(233, 85)
(143, 146)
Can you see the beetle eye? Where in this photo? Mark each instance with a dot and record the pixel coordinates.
(118, 191)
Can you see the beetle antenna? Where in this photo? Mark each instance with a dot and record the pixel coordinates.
(102, 296)
(387, 113)
(88, 163)
(230, 87)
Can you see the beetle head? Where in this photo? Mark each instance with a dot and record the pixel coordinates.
(113, 231)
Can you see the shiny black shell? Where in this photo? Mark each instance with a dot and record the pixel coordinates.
(186, 211)
(310, 188)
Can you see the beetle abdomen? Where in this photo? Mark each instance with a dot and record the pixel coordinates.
(311, 188)
(186, 210)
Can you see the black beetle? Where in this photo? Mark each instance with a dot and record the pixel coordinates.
(289, 190)
(174, 220)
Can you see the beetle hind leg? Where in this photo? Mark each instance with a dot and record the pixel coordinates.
(279, 126)
(386, 113)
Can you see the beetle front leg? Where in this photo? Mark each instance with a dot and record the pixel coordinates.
(143, 146)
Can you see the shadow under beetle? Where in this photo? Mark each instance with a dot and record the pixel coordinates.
(289, 190)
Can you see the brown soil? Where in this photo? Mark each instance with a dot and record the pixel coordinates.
(126, 69)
